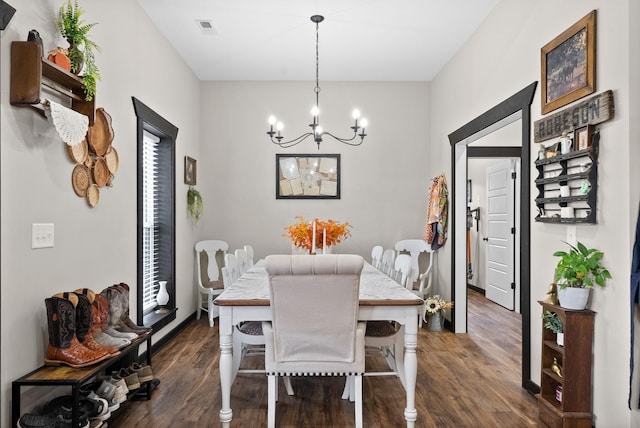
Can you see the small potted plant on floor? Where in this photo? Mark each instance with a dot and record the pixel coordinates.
(576, 273)
(553, 322)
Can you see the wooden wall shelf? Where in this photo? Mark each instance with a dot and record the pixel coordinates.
(30, 72)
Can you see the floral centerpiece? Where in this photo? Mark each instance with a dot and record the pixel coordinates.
(328, 233)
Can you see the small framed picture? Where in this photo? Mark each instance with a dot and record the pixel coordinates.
(582, 137)
(189, 171)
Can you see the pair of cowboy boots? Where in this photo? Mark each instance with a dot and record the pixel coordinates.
(119, 323)
(69, 317)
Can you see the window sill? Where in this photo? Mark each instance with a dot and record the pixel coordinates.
(158, 320)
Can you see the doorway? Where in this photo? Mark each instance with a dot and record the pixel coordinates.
(514, 108)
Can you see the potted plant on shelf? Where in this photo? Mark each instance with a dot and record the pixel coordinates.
(552, 321)
(194, 204)
(81, 48)
(576, 273)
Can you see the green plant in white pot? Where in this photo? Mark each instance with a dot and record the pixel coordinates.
(576, 273)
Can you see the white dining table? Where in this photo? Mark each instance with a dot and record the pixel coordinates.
(381, 298)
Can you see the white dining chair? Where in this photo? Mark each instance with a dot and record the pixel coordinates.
(376, 256)
(209, 257)
(387, 261)
(250, 261)
(421, 283)
(241, 258)
(332, 344)
(231, 263)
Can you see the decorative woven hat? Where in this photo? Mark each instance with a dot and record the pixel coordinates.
(80, 180)
(93, 195)
(100, 135)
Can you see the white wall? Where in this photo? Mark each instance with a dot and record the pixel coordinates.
(501, 58)
(384, 181)
(94, 247)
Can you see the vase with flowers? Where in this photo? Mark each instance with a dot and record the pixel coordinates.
(434, 310)
(316, 236)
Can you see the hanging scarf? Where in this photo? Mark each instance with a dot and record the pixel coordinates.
(635, 296)
(435, 232)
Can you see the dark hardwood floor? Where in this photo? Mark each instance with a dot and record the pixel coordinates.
(464, 380)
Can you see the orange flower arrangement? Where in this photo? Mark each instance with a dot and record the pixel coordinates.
(301, 233)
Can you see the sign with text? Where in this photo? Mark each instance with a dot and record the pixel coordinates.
(594, 110)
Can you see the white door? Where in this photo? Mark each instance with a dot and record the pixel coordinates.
(500, 280)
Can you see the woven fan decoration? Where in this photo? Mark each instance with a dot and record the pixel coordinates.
(70, 125)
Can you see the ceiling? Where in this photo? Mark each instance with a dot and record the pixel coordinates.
(359, 40)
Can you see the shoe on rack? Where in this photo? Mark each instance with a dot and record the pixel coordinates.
(60, 408)
(144, 372)
(103, 389)
(34, 420)
(121, 388)
(131, 378)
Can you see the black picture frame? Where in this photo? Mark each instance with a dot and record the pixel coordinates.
(307, 176)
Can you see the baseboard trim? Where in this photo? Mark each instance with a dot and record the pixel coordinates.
(531, 387)
(167, 337)
(478, 289)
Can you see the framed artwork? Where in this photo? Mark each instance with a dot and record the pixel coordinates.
(568, 65)
(189, 171)
(582, 137)
(307, 176)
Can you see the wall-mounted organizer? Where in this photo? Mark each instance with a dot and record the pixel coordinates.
(30, 73)
(568, 184)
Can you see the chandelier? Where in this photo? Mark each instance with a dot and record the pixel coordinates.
(316, 130)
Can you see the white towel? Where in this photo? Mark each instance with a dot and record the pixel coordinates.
(71, 125)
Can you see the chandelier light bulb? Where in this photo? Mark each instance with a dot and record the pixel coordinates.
(315, 111)
(272, 120)
(279, 126)
(364, 122)
(356, 114)
(318, 130)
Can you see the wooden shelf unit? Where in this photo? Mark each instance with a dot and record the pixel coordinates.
(30, 72)
(74, 377)
(549, 185)
(575, 357)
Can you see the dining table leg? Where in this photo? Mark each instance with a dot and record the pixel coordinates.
(226, 364)
(411, 367)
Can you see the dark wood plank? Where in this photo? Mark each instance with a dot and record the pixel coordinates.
(464, 380)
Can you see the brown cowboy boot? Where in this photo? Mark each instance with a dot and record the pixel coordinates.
(85, 323)
(64, 347)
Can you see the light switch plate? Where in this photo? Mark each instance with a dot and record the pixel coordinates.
(42, 235)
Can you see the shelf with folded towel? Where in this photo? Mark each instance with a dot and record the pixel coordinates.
(30, 72)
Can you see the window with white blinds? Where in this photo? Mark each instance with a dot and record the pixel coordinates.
(150, 229)
(156, 228)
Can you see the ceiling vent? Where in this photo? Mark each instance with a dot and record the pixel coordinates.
(206, 26)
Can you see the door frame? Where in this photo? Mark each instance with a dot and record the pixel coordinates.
(518, 106)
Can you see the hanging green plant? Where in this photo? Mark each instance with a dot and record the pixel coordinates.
(81, 48)
(194, 204)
